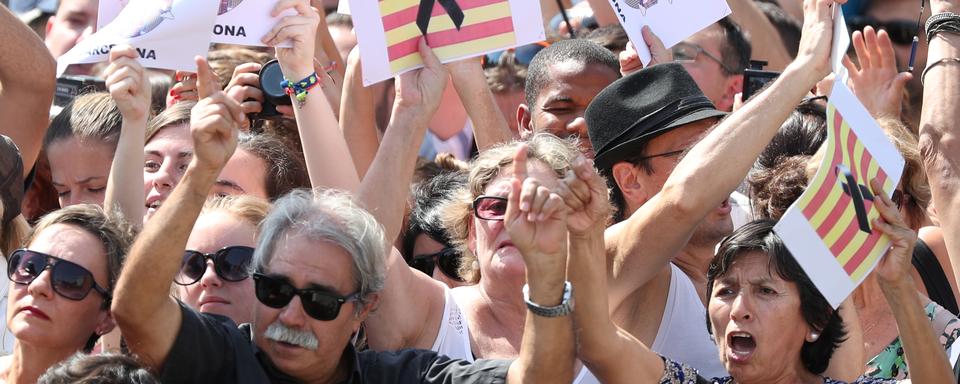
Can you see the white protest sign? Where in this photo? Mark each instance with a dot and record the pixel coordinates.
(241, 22)
(841, 42)
(829, 228)
(671, 20)
(160, 30)
(388, 31)
(343, 7)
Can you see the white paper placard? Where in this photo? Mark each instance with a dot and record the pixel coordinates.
(160, 30)
(387, 32)
(671, 20)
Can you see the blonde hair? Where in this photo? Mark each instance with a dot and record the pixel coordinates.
(554, 152)
(252, 209)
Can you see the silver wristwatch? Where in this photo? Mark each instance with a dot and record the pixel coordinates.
(565, 307)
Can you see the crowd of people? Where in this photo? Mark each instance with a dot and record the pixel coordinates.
(557, 212)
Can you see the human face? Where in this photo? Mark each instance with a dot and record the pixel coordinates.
(212, 232)
(424, 245)
(79, 170)
(499, 259)
(307, 263)
(74, 21)
(244, 174)
(885, 11)
(564, 99)
(707, 72)
(167, 156)
(38, 316)
(757, 322)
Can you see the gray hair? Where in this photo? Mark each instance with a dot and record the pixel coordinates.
(331, 216)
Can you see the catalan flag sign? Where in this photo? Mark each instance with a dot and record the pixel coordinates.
(829, 230)
(388, 31)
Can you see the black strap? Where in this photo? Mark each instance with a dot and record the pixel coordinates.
(934, 279)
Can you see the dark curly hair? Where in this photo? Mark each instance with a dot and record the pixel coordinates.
(758, 236)
(110, 368)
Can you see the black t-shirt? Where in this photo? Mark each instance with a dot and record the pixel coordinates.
(212, 349)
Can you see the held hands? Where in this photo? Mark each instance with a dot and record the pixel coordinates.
(895, 267)
(301, 31)
(213, 122)
(128, 84)
(816, 40)
(876, 83)
(536, 221)
(422, 88)
(584, 193)
(630, 59)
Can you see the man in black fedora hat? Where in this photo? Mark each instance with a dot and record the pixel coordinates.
(671, 187)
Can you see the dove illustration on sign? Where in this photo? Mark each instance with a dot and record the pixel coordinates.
(643, 5)
(152, 14)
(228, 5)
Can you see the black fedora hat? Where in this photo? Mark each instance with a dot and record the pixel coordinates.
(633, 110)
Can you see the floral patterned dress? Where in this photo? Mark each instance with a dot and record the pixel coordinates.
(680, 373)
(891, 364)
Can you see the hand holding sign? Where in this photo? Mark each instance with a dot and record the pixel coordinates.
(423, 88)
(128, 83)
(301, 31)
(895, 267)
(816, 40)
(630, 59)
(213, 121)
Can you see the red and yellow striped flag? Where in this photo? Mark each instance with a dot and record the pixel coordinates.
(832, 209)
(487, 25)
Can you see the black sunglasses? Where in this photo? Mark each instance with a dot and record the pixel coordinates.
(230, 264)
(490, 207)
(447, 260)
(319, 304)
(900, 31)
(68, 279)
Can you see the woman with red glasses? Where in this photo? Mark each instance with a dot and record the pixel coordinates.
(214, 276)
(61, 287)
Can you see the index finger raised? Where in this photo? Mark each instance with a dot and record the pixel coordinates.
(207, 81)
(520, 163)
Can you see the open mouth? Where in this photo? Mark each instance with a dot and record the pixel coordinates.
(742, 345)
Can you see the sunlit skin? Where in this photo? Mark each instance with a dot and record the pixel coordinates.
(564, 99)
(708, 74)
(751, 299)
(40, 317)
(74, 21)
(79, 170)
(167, 155)
(308, 263)
(244, 174)
(212, 232)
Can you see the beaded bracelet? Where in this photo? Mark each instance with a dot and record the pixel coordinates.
(923, 75)
(942, 22)
(299, 89)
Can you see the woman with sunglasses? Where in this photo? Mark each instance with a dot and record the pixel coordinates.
(426, 243)
(60, 288)
(213, 277)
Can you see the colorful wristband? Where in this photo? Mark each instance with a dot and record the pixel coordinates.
(300, 88)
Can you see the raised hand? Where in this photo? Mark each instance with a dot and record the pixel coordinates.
(128, 84)
(184, 89)
(584, 192)
(423, 88)
(630, 59)
(244, 88)
(214, 121)
(876, 82)
(895, 267)
(816, 39)
(535, 220)
(301, 31)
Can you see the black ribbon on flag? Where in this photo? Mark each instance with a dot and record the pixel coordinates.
(426, 11)
(859, 193)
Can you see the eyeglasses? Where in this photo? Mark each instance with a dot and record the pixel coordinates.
(665, 154)
(490, 207)
(901, 32)
(688, 52)
(319, 304)
(68, 279)
(447, 260)
(522, 55)
(230, 264)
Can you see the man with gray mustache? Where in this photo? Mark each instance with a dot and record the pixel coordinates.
(318, 270)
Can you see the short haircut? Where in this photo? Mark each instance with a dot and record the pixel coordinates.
(788, 26)
(736, 50)
(758, 237)
(611, 37)
(578, 50)
(327, 216)
(107, 368)
(286, 169)
(92, 117)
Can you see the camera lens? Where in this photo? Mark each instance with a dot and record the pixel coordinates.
(270, 78)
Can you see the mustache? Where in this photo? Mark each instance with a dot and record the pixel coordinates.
(284, 334)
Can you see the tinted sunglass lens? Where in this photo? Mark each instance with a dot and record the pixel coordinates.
(422, 264)
(71, 281)
(272, 293)
(192, 269)
(232, 265)
(449, 263)
(320, 306)
(26, 266)
(491, 208)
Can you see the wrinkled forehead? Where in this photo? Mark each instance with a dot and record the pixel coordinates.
(307, 262)
(536, 169)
